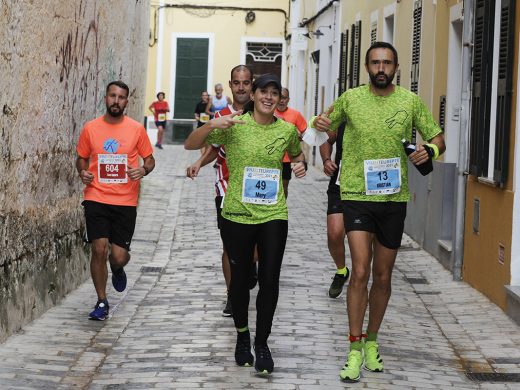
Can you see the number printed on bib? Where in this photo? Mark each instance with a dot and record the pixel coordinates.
(112, 168)
(383, 177)
(161, 117)
(260, 185)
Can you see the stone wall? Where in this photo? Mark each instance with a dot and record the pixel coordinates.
(56, 58)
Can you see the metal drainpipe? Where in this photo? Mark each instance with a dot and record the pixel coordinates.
(462, 165)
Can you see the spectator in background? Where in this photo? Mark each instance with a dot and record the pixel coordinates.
(159, 109)
(200, 109)
(200, 112)
(218, 101)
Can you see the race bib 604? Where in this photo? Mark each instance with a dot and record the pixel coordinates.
(112, 168)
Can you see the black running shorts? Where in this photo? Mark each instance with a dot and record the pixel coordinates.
(286, 171)
(117, 223)
(334, 205)
(385, 219)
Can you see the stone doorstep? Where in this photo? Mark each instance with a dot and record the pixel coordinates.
(513, 302)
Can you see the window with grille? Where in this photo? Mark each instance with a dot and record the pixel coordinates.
(355, 51)
(343, 58)
(491, 102)
(263, 57)
(416, 45)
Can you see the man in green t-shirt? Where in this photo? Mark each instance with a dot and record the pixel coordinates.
(374, 190)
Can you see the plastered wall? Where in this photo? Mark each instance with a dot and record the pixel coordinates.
(56, 58)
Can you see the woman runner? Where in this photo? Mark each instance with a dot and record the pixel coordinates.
(255, 211)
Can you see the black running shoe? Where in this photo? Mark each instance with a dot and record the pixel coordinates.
(243, 355)
(253, 276)
(338, 281)
(228, 310)
(263, 362)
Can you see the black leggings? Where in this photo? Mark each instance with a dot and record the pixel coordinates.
(240, 240)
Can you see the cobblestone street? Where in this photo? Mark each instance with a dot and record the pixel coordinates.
(166, 329)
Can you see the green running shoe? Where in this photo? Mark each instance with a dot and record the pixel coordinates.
(350, 371)
(373, 361)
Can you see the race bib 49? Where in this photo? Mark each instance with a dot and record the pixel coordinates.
(260, 185)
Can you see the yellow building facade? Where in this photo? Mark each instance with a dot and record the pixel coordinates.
(193, 47)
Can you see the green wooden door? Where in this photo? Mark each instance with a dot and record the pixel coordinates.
(191, 75)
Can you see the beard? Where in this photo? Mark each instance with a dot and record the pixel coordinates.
(241, 98)
(381, 84)
(115, 114)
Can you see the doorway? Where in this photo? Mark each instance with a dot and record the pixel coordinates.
(191, 75)
(454, 87)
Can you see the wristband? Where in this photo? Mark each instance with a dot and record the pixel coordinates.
(435, 149)
(327, 159)
(353, 339)
(311, 122)
(146, 171)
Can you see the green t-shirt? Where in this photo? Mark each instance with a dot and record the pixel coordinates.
(254, 158)
(374, 163)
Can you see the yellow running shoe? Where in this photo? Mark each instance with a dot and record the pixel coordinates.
(350, 371)
(373, 361)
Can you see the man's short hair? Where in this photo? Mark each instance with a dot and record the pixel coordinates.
(382, 45)
(241, 68)
(119, 84)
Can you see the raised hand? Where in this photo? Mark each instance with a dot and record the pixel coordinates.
(226, 121)
(322, 122)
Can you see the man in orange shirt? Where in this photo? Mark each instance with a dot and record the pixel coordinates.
(108, 150)
(292, 116)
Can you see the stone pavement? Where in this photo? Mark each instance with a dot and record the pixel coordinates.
(166, 329)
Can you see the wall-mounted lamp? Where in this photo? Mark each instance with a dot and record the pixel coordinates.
(318, 33)
(250, 17)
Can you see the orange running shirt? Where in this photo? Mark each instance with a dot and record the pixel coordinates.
(294, 117)
(117, 146)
